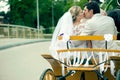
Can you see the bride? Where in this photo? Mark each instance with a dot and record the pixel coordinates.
(71, 23)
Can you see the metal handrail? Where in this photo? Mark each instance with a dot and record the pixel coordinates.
(18, 31)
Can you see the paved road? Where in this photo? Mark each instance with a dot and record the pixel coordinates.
(23, 62)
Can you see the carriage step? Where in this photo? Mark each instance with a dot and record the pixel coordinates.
(85, 68)
(82, 68)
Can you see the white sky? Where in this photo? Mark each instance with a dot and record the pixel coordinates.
(3, 6)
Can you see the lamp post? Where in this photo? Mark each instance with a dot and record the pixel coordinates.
(52, 13)
(37, 7)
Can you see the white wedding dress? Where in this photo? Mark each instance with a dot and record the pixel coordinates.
(76, 31)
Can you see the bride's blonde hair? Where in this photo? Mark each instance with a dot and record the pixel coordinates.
(75, 10)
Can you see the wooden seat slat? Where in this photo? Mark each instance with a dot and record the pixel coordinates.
(82, 68)
(88, 49)
(85, 68)
(93, 37)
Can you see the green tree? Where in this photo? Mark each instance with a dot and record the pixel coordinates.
(22, 12)
(110, 5)
(46, 15)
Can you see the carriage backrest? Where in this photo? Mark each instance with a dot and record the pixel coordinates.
(76, 54)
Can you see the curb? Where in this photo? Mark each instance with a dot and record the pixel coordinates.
(22, 43)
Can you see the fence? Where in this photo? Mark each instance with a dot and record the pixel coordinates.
(17, 31)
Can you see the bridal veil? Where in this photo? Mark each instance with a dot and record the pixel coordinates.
(63, 28)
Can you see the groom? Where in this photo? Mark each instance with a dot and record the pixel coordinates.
(98, 24)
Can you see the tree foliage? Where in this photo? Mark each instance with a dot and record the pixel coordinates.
(22, 12)
(110, 5)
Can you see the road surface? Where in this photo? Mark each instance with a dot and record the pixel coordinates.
(23, 62)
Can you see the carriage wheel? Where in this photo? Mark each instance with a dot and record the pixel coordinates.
(48, 74)
(82, 76)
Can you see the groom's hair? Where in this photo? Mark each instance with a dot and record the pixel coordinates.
(98, 1)
(93, 6)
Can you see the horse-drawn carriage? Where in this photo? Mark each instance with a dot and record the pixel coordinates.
(82, 63)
